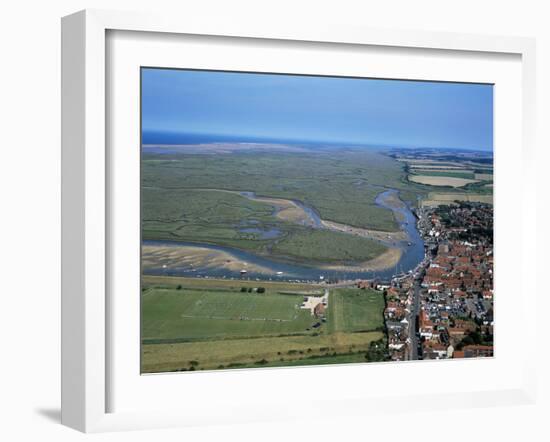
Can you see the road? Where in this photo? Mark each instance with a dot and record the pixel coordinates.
(415, 310)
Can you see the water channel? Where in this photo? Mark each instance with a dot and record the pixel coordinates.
(412, 249)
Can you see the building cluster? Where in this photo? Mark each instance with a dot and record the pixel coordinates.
(455, 318)
(397, 315)
(444, 309)
(398, 319)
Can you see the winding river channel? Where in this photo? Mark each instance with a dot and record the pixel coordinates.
(412, 249)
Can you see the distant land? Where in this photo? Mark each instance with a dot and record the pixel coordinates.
(166, 138)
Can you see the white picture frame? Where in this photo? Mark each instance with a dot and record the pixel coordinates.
(86, 202)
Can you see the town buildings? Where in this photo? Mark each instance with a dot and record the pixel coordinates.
(444, 309)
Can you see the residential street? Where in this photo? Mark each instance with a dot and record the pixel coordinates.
(415, 308)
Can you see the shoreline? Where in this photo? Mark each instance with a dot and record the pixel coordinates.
(385, 261)
(174, 257)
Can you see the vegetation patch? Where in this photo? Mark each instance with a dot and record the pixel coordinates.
(240, 353)
(309, 245)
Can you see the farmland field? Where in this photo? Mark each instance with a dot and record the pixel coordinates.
(435, 166)
(223, 324)
(445, 181)
(470, 174)
(438, 198)
(459, 173)
(484, 176)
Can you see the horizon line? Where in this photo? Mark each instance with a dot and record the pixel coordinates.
(266, 139)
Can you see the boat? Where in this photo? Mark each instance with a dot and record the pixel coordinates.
(243, 271)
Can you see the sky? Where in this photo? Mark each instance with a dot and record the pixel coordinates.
(326, 109)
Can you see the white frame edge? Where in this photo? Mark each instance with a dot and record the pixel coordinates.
(84, 382)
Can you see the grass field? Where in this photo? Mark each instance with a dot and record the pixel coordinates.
(194, 314)
(354, 310)
(261, 351)
(220, 325)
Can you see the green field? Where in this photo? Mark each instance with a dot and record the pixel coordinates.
(449, 173)
(222, 327)
(238, 353)
(191, 314)
(353, 310)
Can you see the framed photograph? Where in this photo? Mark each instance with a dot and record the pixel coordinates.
(265, 220)
(327, 245)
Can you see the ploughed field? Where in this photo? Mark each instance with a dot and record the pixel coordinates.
(221, 324)
(196, 198)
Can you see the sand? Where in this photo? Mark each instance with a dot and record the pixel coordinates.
(366, 233)
(386, 260)
(174, 257)
(178, 256)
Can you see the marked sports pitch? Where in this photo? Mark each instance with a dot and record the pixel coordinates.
(192, 328)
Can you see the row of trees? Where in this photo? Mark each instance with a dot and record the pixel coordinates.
(250, 289)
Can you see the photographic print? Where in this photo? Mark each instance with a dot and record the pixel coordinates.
(300, 220)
